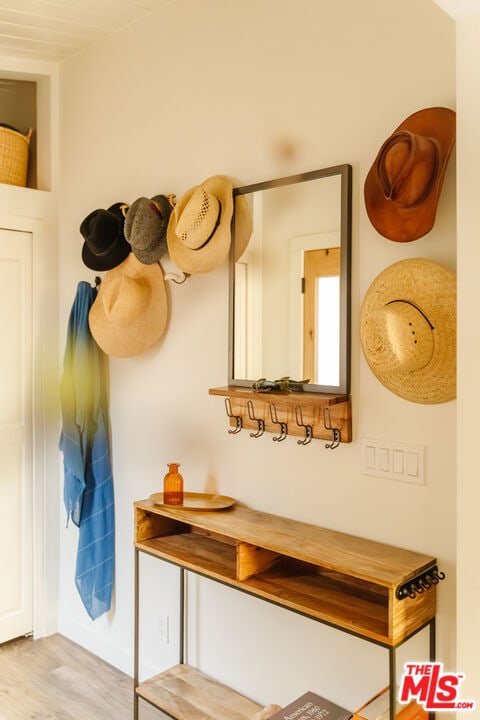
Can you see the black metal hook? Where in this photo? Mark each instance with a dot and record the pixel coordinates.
(276, 421)
(308, 428)
(335, 431)
(237, 418)
(260, 421)
(437, 575)
(419, 584)
(174, 277)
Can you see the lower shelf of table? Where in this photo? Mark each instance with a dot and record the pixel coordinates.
(185, 693)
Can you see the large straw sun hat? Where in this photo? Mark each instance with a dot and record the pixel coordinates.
(130, 312)
(408, 330)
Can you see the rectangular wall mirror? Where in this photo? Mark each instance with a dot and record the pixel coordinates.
(290, 281)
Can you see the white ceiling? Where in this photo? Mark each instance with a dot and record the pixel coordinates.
(459, 8)
(51, 30)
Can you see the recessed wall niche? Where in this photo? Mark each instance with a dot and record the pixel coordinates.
(18, 108)
(25, 103)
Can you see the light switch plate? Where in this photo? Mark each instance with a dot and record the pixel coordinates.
(393, 460)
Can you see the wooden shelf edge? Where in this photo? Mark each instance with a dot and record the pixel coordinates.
(311, 407)
(301, 398)
(215, 568)
(185, 693)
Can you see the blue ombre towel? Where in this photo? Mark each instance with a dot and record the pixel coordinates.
(85, 443)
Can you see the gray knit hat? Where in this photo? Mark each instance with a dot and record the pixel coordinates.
(146, 227)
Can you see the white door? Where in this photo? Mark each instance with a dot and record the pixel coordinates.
(16, 441)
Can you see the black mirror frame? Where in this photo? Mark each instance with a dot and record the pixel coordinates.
(345, 172)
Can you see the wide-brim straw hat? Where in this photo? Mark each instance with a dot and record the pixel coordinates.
(130, 312)
(403, 186)
(105, 244)
(199, 230)
(146, 225)
(408, 330)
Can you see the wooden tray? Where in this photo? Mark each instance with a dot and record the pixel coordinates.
(197, 501)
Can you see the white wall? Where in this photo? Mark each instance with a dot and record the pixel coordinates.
(468, 586)
(218, 87)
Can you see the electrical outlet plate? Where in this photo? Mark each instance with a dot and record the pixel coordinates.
(393, 460)
(163, 627)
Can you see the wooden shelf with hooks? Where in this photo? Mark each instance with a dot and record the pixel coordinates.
(299, 410)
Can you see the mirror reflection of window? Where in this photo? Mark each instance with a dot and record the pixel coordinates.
(327, 370)
(321, 315)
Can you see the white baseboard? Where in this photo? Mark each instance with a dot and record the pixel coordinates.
(90, 639)
(45, 627)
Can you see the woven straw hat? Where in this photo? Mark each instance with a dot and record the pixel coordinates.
(130, 311)
(407, 328)
(146, 227)
(402, 188)
(199, 232)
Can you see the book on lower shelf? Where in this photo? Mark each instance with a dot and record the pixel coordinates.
(311, 706)
(378, 708)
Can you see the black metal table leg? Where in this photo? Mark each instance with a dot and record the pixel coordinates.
(182, 616)
(433, 651)
(136, 637)
(392, 676)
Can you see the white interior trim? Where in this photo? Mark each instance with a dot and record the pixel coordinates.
(44, 617)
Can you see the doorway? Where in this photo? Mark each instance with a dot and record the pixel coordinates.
(16, 434)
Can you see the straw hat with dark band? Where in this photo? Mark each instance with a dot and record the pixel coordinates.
(403, 185)
(407, 328)
(199, 232)
(130, 312)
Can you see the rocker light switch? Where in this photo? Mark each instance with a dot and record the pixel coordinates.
(398, 462)
(383, 454)
(394, 460)
(412, 465)
(370, 457)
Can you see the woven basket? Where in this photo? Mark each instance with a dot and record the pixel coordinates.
(14, 156)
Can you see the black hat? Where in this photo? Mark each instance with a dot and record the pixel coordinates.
(105, 244)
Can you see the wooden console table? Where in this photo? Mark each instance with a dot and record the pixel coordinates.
(381, 593)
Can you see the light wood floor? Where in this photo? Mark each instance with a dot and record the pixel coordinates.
(55, 679)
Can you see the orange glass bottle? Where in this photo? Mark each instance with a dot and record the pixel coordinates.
(173, 486)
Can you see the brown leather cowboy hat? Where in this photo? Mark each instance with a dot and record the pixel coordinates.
(403, 185)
